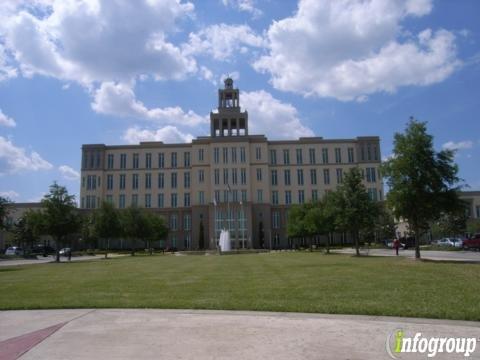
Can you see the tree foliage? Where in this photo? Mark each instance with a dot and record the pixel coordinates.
(4, 203)
(60, 215)
(107, 224)
(423, 183)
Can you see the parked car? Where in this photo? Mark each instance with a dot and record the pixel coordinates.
(472, 243)
(14, 250)
(444, 242)
(65, 251)
(40, 249)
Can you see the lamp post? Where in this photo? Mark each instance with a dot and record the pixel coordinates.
(228, 210)
(215, 221)
(242, 223)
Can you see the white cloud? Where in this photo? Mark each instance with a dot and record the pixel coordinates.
(244, 5)
(9, 194)
(119, 99)
(270, 116)
(461, 145)
(15, 159)
(6, 121)
(69, 173)
(350, 49)
(7, 71)
(167, 134)
(97, 40)
(223, 41)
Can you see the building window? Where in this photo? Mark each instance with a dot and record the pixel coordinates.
(148, 160)
(200, 154)
(300, 177)
(148, 181)
(275, 197)
(286, 157)
(174, 160)
(187, 222)
(201, 176)
(135, 162)
(225, 155)
(299, 156)
(123, 161)
(109, 182)
(186, 199)
(161, 160)
(173, 222)
(148, 200)
(273, 157)
(311, 156)
(186, 179)
(134, 181)
(375, 153)
(338, 155)
(276, 219)
(326, 176)
(174, 180)
(286, 177)
(234, 177)
(258, 153)
(110, 161)
(274, 178)
(216, 155)
(122, 181)
(259, 196)
(217, 196)
(121, 201)
(242, 155)
(234, 155)
(339, 176)
(351, 158)
(235, 195)
(109, 199)
(201, 198)
(244, 195)
(477, 210)
(369, 152)
(216, 176)
(288, 197)
(313, 176)
(243, 176)
(134, 200)
(161, 200)
(259, 174)
(371, 175)
(225, 176)
(186, 159)
(301, 196)
(325, 156)
(372, 194)
(314, 195)
(173, 200)
(161, 180)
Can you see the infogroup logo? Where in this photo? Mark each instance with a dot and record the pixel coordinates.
(397, 344)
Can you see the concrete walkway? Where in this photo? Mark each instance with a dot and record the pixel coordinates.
(190, 334)
(461, 256)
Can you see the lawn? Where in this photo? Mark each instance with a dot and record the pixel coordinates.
(299, 282)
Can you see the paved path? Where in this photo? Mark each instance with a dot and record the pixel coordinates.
(465, 256)
(189, 334)
(51, 258)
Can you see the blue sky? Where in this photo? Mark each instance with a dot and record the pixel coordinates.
(92, 71)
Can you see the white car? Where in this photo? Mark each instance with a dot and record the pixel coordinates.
(64, 251)
(454, 242)
(14, 250)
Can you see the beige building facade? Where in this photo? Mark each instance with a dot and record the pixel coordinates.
(228, 180)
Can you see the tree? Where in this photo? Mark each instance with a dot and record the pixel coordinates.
(27, 229)
(134, 225)
(107, 224)
(87, 230)
(157, 230)
(356, 211)
(299, 224)
(423, 183)
(60, 216)
(454, 223)
(385, 222)
(4, 203)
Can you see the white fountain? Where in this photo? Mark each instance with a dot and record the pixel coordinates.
(224, 242)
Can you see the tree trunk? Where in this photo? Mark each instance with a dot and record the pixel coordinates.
(107, 248)
(57, 256)
(417, 242)
(357, 246)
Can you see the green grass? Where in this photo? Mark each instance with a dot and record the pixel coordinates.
(299, 282)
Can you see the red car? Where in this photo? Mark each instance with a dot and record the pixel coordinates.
(472, 243)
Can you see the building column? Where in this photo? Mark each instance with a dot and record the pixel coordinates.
(238, 126)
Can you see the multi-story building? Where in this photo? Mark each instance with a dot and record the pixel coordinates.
(230, 179)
